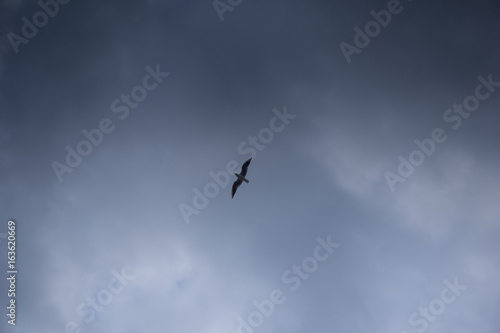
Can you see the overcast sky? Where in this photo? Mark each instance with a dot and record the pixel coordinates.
(373, 201)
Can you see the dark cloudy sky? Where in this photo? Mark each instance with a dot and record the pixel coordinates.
(417, 249)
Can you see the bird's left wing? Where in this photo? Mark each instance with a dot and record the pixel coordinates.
(236, 184)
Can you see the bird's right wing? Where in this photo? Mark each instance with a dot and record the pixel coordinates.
(244, 167)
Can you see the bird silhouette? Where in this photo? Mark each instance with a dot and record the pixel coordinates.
(241, 177)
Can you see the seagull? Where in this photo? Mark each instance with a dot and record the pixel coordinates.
(241, 176)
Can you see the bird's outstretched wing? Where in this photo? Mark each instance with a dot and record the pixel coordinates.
(236, 184)
(244, 167)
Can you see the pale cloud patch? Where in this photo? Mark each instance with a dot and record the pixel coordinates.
(452, 188)
(460, 190)
(348, 163)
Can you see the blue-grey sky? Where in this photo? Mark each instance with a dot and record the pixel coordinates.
(373, 201)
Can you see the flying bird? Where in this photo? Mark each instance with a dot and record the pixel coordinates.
(241, 176)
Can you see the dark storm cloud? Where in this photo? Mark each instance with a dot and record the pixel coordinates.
(322, 175)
